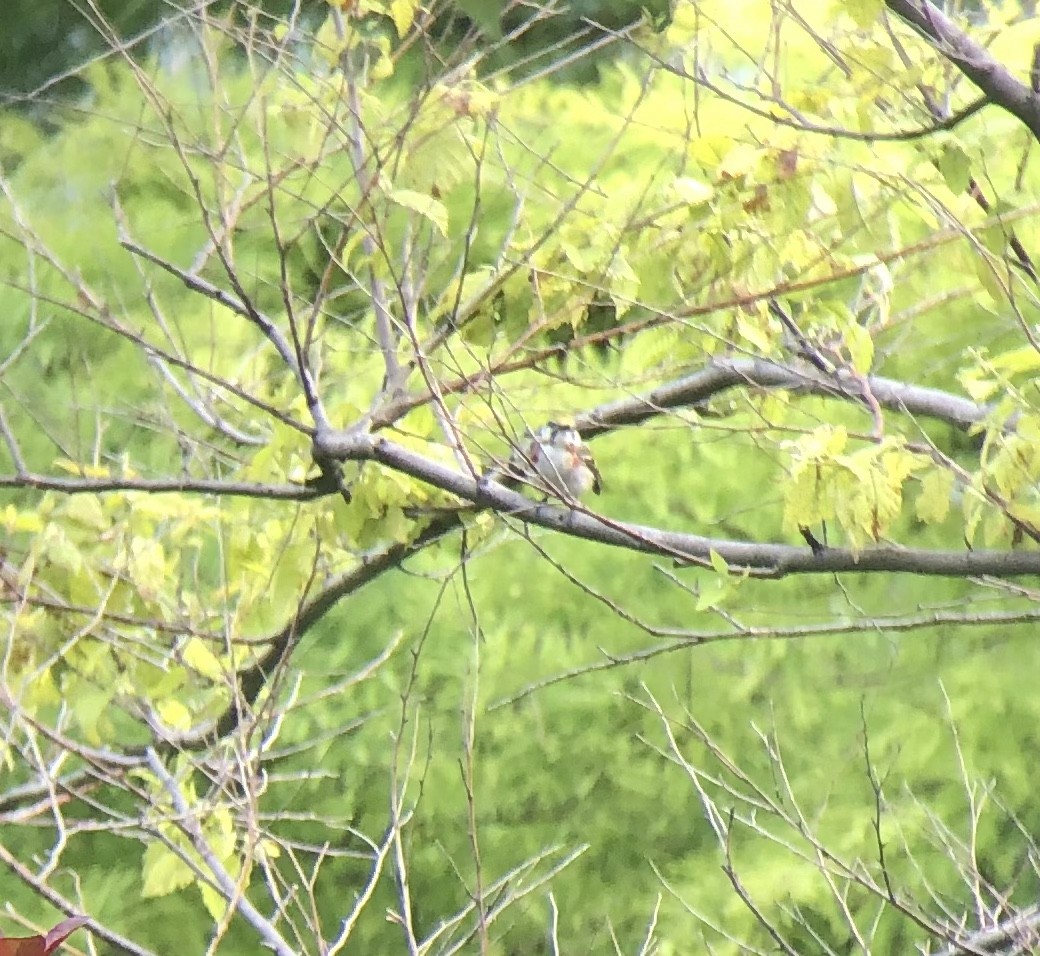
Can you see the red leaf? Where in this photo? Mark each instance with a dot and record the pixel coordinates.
(23, 946)
(42, 945)
(62, 931)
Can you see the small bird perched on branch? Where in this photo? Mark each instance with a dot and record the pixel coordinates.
(562, 461)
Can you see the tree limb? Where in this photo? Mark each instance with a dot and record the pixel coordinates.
(253, 679)
(725, 373)
(767, 560)
(972, 59)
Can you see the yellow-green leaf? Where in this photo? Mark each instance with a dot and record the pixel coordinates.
(864, 12)
(200, 658)
(403, 13)
(86, 510)
(174, 714)
(163, 872)
(15, 520)
(860, 346)
(933, 503)
(426, 206)
(711, 594)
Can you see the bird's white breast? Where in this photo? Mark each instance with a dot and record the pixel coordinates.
(563, 470)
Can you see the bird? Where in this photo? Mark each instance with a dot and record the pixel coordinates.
(563, 461)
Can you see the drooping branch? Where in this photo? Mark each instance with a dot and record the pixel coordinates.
(972, 59)
(768, 560)
(255, 678)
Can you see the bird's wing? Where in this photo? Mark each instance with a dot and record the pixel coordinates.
(590, 463)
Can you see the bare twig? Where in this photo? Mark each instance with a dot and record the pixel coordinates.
(230, 889)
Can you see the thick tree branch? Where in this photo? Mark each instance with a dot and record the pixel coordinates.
(972, 59)
(767, 560)
(1019, 929)
(718, 377)
(726, 373)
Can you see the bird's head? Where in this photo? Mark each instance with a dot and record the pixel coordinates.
(560, 434)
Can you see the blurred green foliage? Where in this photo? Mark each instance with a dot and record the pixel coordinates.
(581, 761)
(46, 44)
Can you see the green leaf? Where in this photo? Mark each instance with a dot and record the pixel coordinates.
(711, 594)
(199, 657)
(15, 520)
(486, 14)
(402, 12)
(426, 206)
(1023, 360)
(860, 347)
(955, 167)
(756, 330)
(974, 509)
(163, 872)
(174, 714)
(89, 706)
(147, 567)
(865, 13)
(86, 510)
(933, 502)
(58, 549)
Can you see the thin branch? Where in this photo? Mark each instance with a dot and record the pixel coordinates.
(202, 486)
(229, 887)
(973, 60)
(684, 641)
(1006, 932)
(197, 405)
(13, 448)
(796, 121)
(385, 332)
(120, 943)
(974, 189)
(364, 895)
(222, 297)
(254, 679)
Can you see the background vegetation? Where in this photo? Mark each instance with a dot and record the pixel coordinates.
(289, 659)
